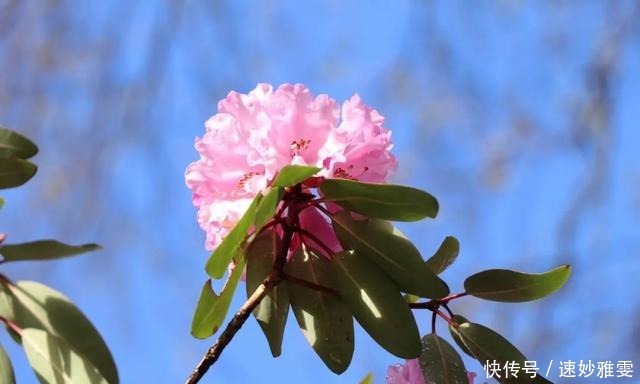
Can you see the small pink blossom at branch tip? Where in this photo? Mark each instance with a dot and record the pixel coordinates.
(411, 373)
(254, 135)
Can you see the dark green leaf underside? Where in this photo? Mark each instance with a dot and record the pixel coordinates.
(383, 201)
(13, 144)
(15, 172)
(511, 286)
(440, 363)
(43, 250)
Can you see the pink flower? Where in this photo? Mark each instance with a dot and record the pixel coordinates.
(410, 373)
(254, 135)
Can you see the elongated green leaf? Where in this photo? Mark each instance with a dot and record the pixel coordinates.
(395, 255)
(266, 209)
(487, 345)
(445, 255)
(377, 304)
(55, 362)
(212, 309)
(202, 325)
(272, 311)
(231, 244)
(15, 172)
(13, 144)
(291, 175)
(512, 287)
(440, 363)
(383, 201)
(6, 369)
(43, 250)
(325, 321)
(34, 305)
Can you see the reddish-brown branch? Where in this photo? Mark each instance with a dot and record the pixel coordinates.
(434, 306)
(11, 325)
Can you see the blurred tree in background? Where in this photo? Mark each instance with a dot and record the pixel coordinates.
(521, 116)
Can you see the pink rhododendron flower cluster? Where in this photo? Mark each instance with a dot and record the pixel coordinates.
(256, 134)
(410, 373)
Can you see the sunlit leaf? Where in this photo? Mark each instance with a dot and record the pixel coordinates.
(454, 335)
(444, 256)
(6, 369)
(511, 286)
(34, 305)
(487, 345)
(395, 255)
(266, 209)
(377, 304)
(440, 363)
(272, 311)
(7, 309)
(291, 175)
(325, 321)
(230, 245)
(13, 144)
(43, 250)
(55, 362)
(383, 201)
(409, 298)
(15, 172)
(212, 309)
(203, 317)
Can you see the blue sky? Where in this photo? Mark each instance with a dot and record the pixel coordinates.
(482, 100)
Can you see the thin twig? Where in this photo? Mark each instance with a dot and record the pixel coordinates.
(11, 325)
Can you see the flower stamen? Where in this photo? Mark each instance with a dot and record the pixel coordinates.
(299, 146)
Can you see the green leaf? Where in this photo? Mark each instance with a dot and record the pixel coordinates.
(395, 255)
(202, 323)
(43, 250)
(231, 244)
(15, 172)
(487, 345)
(212, 309)
(383, 201)
(325, 321)
(6, 369)
(367, 379)
(458, 319)
(272, 311)
(513, 287)
(55, 362)
(291, 175)
(1, 202)
(377, 304)
(266, 209)
(445, 255)
(34, 305)
(440, 363)
(13, 144)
